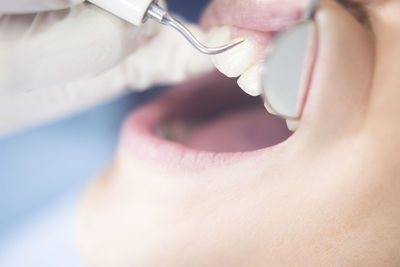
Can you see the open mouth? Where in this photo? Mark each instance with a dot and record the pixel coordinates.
(209, 119)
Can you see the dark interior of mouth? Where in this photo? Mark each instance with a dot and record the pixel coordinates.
(213, 114)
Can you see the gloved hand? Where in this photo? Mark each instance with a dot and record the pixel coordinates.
(61, 45)
(72, 55)
(34, 6)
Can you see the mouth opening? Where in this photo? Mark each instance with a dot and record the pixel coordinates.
(213, 114)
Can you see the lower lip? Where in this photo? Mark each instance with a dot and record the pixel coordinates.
(139, 136)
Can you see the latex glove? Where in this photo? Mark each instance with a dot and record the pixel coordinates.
(59, 62)
(50, 48)
(34, 6)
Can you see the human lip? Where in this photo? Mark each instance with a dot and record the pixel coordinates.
(145, 137)
(263, 16)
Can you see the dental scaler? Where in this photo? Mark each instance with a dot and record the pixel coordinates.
(138, 11)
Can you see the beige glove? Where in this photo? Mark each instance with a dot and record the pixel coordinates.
(58, 62)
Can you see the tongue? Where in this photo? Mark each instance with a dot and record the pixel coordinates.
(246, 129)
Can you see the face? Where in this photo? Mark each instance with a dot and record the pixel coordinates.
(204, 176)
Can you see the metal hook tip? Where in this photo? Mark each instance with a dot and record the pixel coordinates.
(222, 49)
(162, 16)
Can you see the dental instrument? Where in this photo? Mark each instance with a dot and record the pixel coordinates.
(287, 67)
(138, 11)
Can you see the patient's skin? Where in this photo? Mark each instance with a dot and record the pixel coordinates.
(329, 197)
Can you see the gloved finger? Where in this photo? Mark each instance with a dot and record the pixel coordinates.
(175, 61)
(34, 6)
(52, 48)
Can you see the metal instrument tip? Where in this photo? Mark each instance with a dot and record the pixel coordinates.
(162, 16)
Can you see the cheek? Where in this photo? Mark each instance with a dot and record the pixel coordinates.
(342, 76)
(385, 108)
(357, 9)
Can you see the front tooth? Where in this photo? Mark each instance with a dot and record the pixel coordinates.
(269, 109)
(218, 36)
(235, 61)
(292, 125)
(250, 80)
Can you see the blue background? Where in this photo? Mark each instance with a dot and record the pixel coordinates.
(41, 165)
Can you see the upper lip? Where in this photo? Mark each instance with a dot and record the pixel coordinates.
(267, 16)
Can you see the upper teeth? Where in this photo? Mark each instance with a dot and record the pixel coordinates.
(250, 80)
(235, 61)
(239, 61)
(292, 125)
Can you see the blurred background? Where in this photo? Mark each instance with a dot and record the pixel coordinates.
(44, 170)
